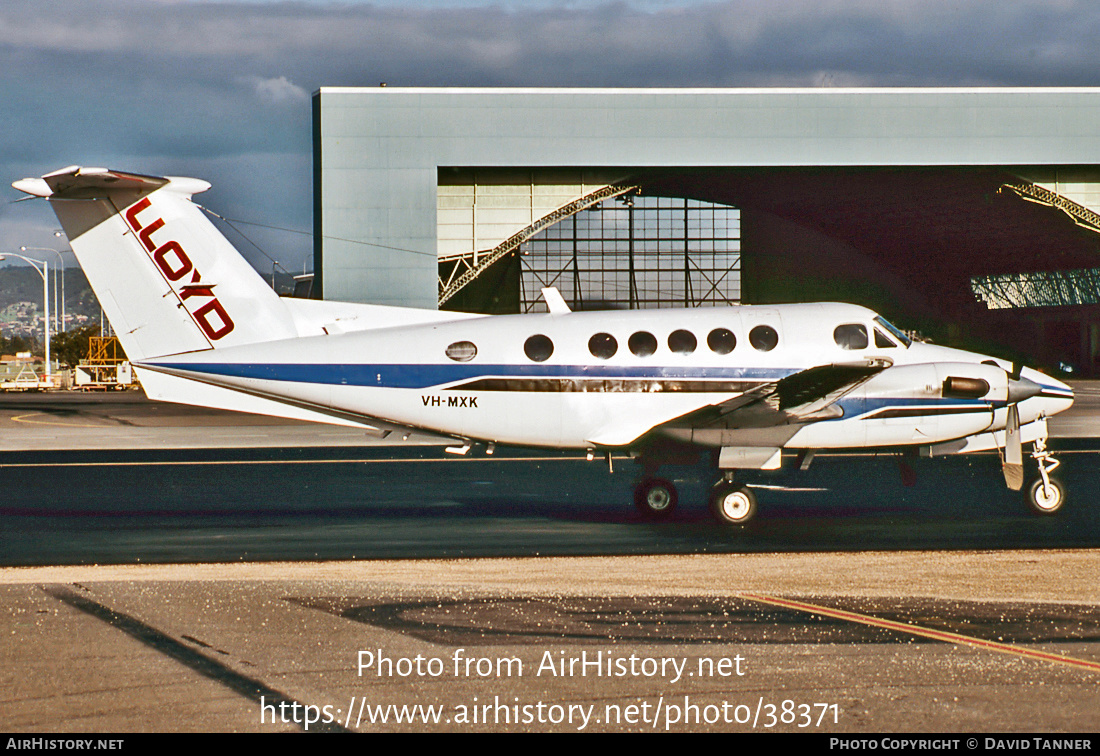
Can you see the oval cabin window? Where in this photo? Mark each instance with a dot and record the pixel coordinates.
(603, 345)
(682, 342)
(538, 348)
(721, 341)
(642, 344)
(764, 338)
(462, 351)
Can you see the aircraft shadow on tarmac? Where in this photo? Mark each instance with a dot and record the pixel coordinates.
(194, 508)
(513, 621)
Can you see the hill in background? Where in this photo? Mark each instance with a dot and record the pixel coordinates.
(21, 305)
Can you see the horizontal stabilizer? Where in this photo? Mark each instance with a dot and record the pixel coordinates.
(76, 182)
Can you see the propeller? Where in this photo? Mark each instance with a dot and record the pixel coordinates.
(1013, 464)
(1019, 389)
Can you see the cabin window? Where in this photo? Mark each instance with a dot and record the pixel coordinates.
(462, 351)
(851, 336)
(682, 342)
(764, 338)
(538, 347)
(721, 341)
(603, 345)
(642, 344)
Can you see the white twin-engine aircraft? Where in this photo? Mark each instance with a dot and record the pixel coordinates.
(745, 383)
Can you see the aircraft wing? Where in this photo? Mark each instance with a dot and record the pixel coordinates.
(803, 397)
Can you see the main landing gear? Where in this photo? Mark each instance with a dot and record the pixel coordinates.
(1045, 495)
(730, 503)
(655, 497)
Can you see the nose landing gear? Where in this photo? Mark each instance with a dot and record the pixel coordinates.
(1046, 494)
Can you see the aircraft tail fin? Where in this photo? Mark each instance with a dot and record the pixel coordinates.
(166, 278)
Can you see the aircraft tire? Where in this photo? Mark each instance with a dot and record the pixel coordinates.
(655, 498)
(1048, 501)
(733, 504)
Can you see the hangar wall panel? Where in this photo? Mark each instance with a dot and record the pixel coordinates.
(379, 150)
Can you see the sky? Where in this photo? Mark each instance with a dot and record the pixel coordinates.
(220, 89)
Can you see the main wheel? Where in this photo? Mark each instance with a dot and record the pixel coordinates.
(655, 497)
(1046, 499)
(733, 504)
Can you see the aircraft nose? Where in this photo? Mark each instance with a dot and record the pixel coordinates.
(1055, 396)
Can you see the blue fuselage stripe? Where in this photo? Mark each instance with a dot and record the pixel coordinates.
(427, 376)
(432, 376)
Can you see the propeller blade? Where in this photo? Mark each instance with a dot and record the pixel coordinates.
(908, 474)
(1013, 466)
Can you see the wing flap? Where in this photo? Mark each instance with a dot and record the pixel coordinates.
(824, 383)
(804, 397)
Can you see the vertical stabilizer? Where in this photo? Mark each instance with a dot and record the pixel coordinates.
(165, 276)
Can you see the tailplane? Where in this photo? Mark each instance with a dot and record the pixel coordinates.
(166, 278)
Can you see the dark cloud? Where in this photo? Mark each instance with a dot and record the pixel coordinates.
(221, 90)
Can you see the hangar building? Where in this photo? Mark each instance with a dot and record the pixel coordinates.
(969, 215)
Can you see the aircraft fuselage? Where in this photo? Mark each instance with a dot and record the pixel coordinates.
(564, 395)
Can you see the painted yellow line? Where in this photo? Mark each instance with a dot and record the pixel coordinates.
(940, 635)
(23, 419)
(179, 463)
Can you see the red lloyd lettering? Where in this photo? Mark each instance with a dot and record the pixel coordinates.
(174, 263)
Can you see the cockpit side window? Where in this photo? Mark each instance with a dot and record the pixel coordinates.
(882, 341)
(894, 331)
(851, 336)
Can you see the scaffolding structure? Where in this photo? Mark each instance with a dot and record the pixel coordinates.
(106, 366)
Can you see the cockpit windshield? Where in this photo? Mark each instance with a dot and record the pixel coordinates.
(894, 331)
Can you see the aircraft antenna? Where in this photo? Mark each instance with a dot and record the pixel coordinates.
(230, 221)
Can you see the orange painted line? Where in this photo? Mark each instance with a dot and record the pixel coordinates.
(940, 635)
(23, 419)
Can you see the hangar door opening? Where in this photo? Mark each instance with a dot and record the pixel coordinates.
(504, 235)
(636, 253)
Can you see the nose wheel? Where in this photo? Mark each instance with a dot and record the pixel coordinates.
(1045, 497)
(1046, 494)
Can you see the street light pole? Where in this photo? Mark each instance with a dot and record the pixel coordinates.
(44, 271)
(61, 268)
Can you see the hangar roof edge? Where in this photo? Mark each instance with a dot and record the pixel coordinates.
(709, 90)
